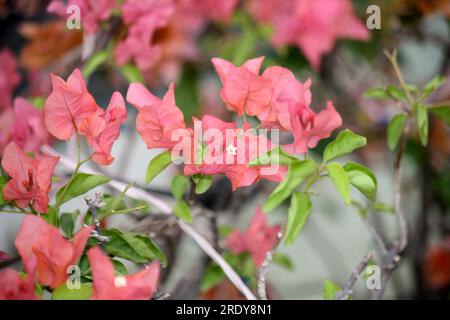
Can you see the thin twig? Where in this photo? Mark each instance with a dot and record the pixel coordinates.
(264, 270)
(347, 290)
(140, 194)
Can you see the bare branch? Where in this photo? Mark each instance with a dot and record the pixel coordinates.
(347, 290)
(264, 270)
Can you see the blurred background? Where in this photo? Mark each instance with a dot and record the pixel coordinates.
(35, 42)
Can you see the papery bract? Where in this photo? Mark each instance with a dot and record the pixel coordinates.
(30, 178)
(309, 128)
(68, 105)
(313, 25)
(15, 287)
(42, 246)
(103, 128)
(157, 118)
(29, 130)
(139, 286)
(9, 77)
(258, 239)
(244, 90)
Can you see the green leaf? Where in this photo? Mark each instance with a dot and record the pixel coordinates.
(276, 156)
(202, 183)
(3, 181)
(298, 215)
(395, 130)
(132, 246)
(283, 261)
(132, 73)
(82, 183)
(376, 93)
(422, 123)
(51, 216)
(64, 293)
(182, 211)
(119, 267)
(180, 185)
(297, 173)
(362, 179)
(433, 85)
(212, 277)
(396, 93)
(330, 289)
(95, 61)
(382, 207)
(156, 165)
(346, 142)
(37, 102)
(443, 112)
(340, 180)
(67, 222)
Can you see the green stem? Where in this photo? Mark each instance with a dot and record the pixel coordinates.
(13, 211)
(74, 174)
(129, 210)
(393, 59)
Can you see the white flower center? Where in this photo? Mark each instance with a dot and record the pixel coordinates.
(231, 150)
(120, 282)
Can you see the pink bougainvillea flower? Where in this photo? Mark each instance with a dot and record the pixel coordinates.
(42, 246)
(313, 25)
(309, 128)
(16, 287)
(30, 178)
(103, 128)
(139, 286)
(228, 150)
(143, 18)
(257, 240)
(92, 11)
(244, 90)
(9, 77)
(29, 129)
(7, 119)
(68, 105)
(157, 118)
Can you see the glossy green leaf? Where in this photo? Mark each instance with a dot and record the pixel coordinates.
(422, 124)
(67, 222)
(340, 180)
(82, 183)
(298, 215)
(182, 211)
(297, 173)
(51, 216)
(131, 246)
(180, 185)
(283, 261)
(131, 73)
(363, 179)
(65, 293)
(330, 289)
(212, 277)
(395, 130)
(346, 142)
(376, 93)
(202, 183)
(157, 165)
(276, 156)
(443, 112)
(396, 93)
(433, 85)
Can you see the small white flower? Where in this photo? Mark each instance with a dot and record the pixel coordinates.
(120, 282)
(231, 150)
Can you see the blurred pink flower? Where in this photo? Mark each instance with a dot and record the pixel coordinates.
(42, 246)
(258, 239)
(14, 286)
(312, 25)
(93, 12)
(139, 286)
(9, 78)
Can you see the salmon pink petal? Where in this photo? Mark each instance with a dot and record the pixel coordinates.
(139, 96)
(15, 287)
